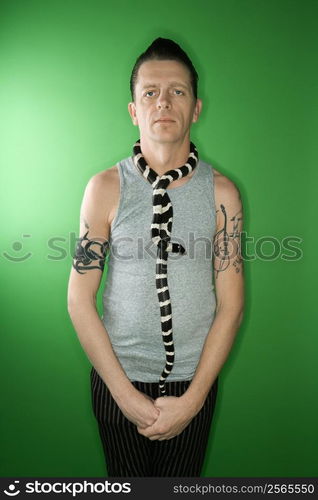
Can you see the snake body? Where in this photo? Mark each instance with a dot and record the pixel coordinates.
(161, 228)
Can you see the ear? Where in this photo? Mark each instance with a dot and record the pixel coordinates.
(197, 110)
(132, 112)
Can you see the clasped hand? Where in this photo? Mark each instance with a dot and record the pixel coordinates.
(174, 416)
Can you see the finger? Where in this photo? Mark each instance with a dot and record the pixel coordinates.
(145, 431)
(150, 434)
(146, 426)
(149, 397)
(143, 426)
(166, 438)
(141, 430)
(158, 403)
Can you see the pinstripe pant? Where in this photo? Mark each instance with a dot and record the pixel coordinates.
(129, 454)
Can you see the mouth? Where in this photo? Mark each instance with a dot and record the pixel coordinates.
(164, 121)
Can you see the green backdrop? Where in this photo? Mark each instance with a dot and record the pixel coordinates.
(64, 82)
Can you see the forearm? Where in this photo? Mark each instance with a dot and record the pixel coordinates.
(215, 351)
(95, 341)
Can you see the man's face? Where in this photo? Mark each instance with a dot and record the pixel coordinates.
(163, 91)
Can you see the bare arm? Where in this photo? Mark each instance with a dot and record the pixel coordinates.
(84, 281)
(229, 286)
(177, 413)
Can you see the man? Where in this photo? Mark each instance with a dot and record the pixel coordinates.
(164, 335)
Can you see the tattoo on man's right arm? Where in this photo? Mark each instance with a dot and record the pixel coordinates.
(89, 254)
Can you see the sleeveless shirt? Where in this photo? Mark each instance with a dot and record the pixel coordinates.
(131, 312)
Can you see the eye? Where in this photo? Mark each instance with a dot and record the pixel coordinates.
(149, 92)
(177, 90)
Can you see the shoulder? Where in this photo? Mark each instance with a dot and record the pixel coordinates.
(225, 190)
(103, 191)
(227, 197)
(107, 179)
(104, 185)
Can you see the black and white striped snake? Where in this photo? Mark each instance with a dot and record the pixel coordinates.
(160, 234)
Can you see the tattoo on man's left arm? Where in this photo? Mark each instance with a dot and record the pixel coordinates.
(227, 243)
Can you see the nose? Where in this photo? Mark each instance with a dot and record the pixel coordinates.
(163, 100)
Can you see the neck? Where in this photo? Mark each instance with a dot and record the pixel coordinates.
(164, 156)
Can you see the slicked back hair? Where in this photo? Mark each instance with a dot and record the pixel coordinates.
(164, 49)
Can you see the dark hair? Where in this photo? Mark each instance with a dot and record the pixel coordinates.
(164, 49)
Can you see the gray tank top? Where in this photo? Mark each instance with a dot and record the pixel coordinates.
(131, 312)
